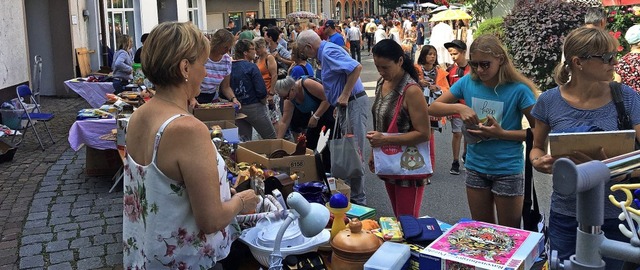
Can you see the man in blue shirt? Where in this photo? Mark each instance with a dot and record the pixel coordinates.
(334, 36)
(344, 90)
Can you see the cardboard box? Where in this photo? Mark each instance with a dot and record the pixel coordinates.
(102, 162)
(257, 151)
(229, 129)
(337, 185)
(483, 246)
(225, 111)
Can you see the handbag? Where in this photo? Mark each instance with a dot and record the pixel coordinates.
(414, 160)
(532, 218)
(346, 161)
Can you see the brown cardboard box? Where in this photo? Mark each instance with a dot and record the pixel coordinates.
(340, 187)
(102, 162)
(229, 129)
(213, 114)
(257, 151)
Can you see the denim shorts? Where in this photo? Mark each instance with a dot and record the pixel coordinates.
(499, 184)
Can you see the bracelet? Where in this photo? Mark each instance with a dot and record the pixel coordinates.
(534, 159)
(315, 117)
(233, 98)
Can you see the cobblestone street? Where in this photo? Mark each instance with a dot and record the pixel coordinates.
(52, 216)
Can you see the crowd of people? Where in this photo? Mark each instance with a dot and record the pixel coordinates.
(180, 210)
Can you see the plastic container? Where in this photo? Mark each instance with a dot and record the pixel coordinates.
(390, 256)
(12, 118)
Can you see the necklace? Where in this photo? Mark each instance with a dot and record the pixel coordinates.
(169, 101)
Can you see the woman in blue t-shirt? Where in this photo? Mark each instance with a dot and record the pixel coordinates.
(496, 96)
(583, 98)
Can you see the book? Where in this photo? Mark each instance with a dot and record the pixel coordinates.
(361, 212)
(614, 143)
(483, 246)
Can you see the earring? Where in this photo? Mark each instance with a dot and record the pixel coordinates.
(580, 68)
(186, 79)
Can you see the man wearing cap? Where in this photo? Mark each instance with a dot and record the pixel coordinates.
(344, 90)
(457, 49)
(333, 35)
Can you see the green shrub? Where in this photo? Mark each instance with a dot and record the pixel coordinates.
(534, 33)
(493, 26)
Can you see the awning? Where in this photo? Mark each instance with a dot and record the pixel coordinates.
(620, 2)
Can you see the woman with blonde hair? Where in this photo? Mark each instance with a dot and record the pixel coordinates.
(582, 99)
(497, 96)
(218, 68)
(175, 182)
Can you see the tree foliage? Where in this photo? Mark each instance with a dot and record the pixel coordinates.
(534, 34)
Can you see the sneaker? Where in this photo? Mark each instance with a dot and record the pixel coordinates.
(463, 158)
(455, 168)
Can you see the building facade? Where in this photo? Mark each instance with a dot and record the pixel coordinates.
(339, 9)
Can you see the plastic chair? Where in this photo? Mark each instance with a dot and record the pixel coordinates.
(32, 115)
(37, 77)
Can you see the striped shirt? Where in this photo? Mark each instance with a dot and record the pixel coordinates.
(216, 71)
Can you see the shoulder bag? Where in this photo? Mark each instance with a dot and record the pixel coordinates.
(407, 162)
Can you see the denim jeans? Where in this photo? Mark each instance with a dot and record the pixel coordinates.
(258, 118)
(562, 237)
(358, 118)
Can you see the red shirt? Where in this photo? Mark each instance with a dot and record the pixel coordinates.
(453, 77)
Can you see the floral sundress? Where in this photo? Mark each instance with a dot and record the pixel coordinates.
(159, 228)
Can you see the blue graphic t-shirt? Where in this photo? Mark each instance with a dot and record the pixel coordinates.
(505, 103)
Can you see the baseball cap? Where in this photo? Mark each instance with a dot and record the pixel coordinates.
(633, 35)
(330, 23)
(456, 43)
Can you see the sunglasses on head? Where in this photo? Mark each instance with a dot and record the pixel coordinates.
(607, 58)
(482, 64)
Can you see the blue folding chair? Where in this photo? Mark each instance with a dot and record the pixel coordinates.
(32, 115)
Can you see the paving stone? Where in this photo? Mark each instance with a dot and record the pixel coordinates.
(80, 243)
(63, 162)
(61, 206)
(56, 168)
(91, 223)
(38, 238)
(57, 245)
(61, 256)
(92, 251)
(102, 239)
(73, 192)
(87, 217)
(60, 213)
(65, 227)
(114, 259)
(77, 212)
(90, 231)
(37, 215)
(66, 199)
(39, 208)
(43, 200)
(61, 266)
(66, 235)
(37, 230)
(115, 247)
(68, 186)
(113, 213)
(35, 223)
(30, 250)
(90, 263)
(31, 261)
(50, 188)
(85, 197)
(114, 228)
(59, 220)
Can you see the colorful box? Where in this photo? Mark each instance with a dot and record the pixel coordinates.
(483, 246)
(361, 212)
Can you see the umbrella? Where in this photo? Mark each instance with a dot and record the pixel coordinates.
(440, 8)
(302, 15)
(450, 15)
(428, 5)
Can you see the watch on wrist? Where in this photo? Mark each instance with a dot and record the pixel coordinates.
(315, 117)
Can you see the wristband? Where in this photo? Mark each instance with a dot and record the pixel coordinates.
(315, 117)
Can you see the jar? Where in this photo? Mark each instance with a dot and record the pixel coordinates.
(352, 247)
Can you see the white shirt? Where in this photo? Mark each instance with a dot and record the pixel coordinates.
(379, 35)
(354, 34)
(441, 34)
(406, 25)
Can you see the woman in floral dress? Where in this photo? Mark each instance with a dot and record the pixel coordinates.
(178, 209)
(629, 65)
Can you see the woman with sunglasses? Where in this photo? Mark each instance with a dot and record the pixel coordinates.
(398, 82)
(496, 96)
(249, 87)
(583, 98)
(307, 96)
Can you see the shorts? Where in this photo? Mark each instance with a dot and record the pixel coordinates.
(456, 125)
(499, 184)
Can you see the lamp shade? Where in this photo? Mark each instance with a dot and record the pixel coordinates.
(313, 216)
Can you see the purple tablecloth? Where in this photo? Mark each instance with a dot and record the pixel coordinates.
(92, 92)
(89, 131)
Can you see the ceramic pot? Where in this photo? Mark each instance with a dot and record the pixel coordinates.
(352, 247)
